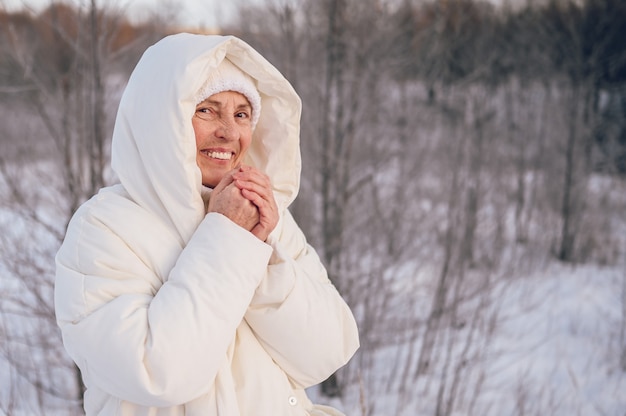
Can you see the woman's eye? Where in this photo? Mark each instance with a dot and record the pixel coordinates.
(203, 112)
(242, 114)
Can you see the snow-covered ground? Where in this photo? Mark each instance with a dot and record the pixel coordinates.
(558, 350)
(559, 345)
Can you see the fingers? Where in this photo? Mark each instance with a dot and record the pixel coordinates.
(255, 198)
(245, 196)
(255, 181)
(225, 181)
(230, 202)
(256, 187)
(248, 173)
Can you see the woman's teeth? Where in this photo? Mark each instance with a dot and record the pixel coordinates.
(220, 155)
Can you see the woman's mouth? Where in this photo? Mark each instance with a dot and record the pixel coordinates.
(218, 155)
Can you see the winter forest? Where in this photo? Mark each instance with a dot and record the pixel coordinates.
(464, 181)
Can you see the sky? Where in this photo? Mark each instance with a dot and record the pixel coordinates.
(194, 13)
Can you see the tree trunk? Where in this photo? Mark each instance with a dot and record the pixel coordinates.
(568, 202)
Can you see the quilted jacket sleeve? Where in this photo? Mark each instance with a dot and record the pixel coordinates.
(298, 315)
(153, 343)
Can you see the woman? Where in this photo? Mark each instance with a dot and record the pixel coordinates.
(188, 288)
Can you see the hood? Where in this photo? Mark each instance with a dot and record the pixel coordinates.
(154, 150)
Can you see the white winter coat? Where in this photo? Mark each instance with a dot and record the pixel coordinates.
(167, 310)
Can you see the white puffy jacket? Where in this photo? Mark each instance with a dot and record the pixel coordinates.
(167, 310)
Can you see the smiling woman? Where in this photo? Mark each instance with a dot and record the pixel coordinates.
(154, 302)
(229, 107)
(223, 131)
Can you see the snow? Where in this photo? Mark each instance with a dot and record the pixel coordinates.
(558, 341)
(556, 351)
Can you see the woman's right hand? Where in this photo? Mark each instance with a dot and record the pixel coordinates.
(226, 199)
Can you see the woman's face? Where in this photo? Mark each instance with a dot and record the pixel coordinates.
(222, 124)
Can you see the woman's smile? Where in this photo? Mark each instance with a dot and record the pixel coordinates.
(214, 154)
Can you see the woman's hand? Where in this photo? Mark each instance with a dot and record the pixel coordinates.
(227, 199)
(256, 187)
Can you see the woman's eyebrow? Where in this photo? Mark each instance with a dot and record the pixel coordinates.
(221, 104)
(244, 106)
(212, 102)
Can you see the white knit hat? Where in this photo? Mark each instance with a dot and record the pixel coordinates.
(228, 77)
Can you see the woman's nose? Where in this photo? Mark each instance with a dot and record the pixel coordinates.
(226, 130)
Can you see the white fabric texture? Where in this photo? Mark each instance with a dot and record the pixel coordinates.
(168, 310)
(227, 77)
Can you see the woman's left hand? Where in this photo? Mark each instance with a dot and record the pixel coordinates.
(256, 187)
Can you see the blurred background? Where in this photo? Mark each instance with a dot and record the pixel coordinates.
(464, 181)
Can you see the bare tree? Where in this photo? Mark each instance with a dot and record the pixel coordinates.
(582, 43)
(61, 59)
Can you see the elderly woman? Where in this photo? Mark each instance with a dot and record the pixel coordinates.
(188, 288)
